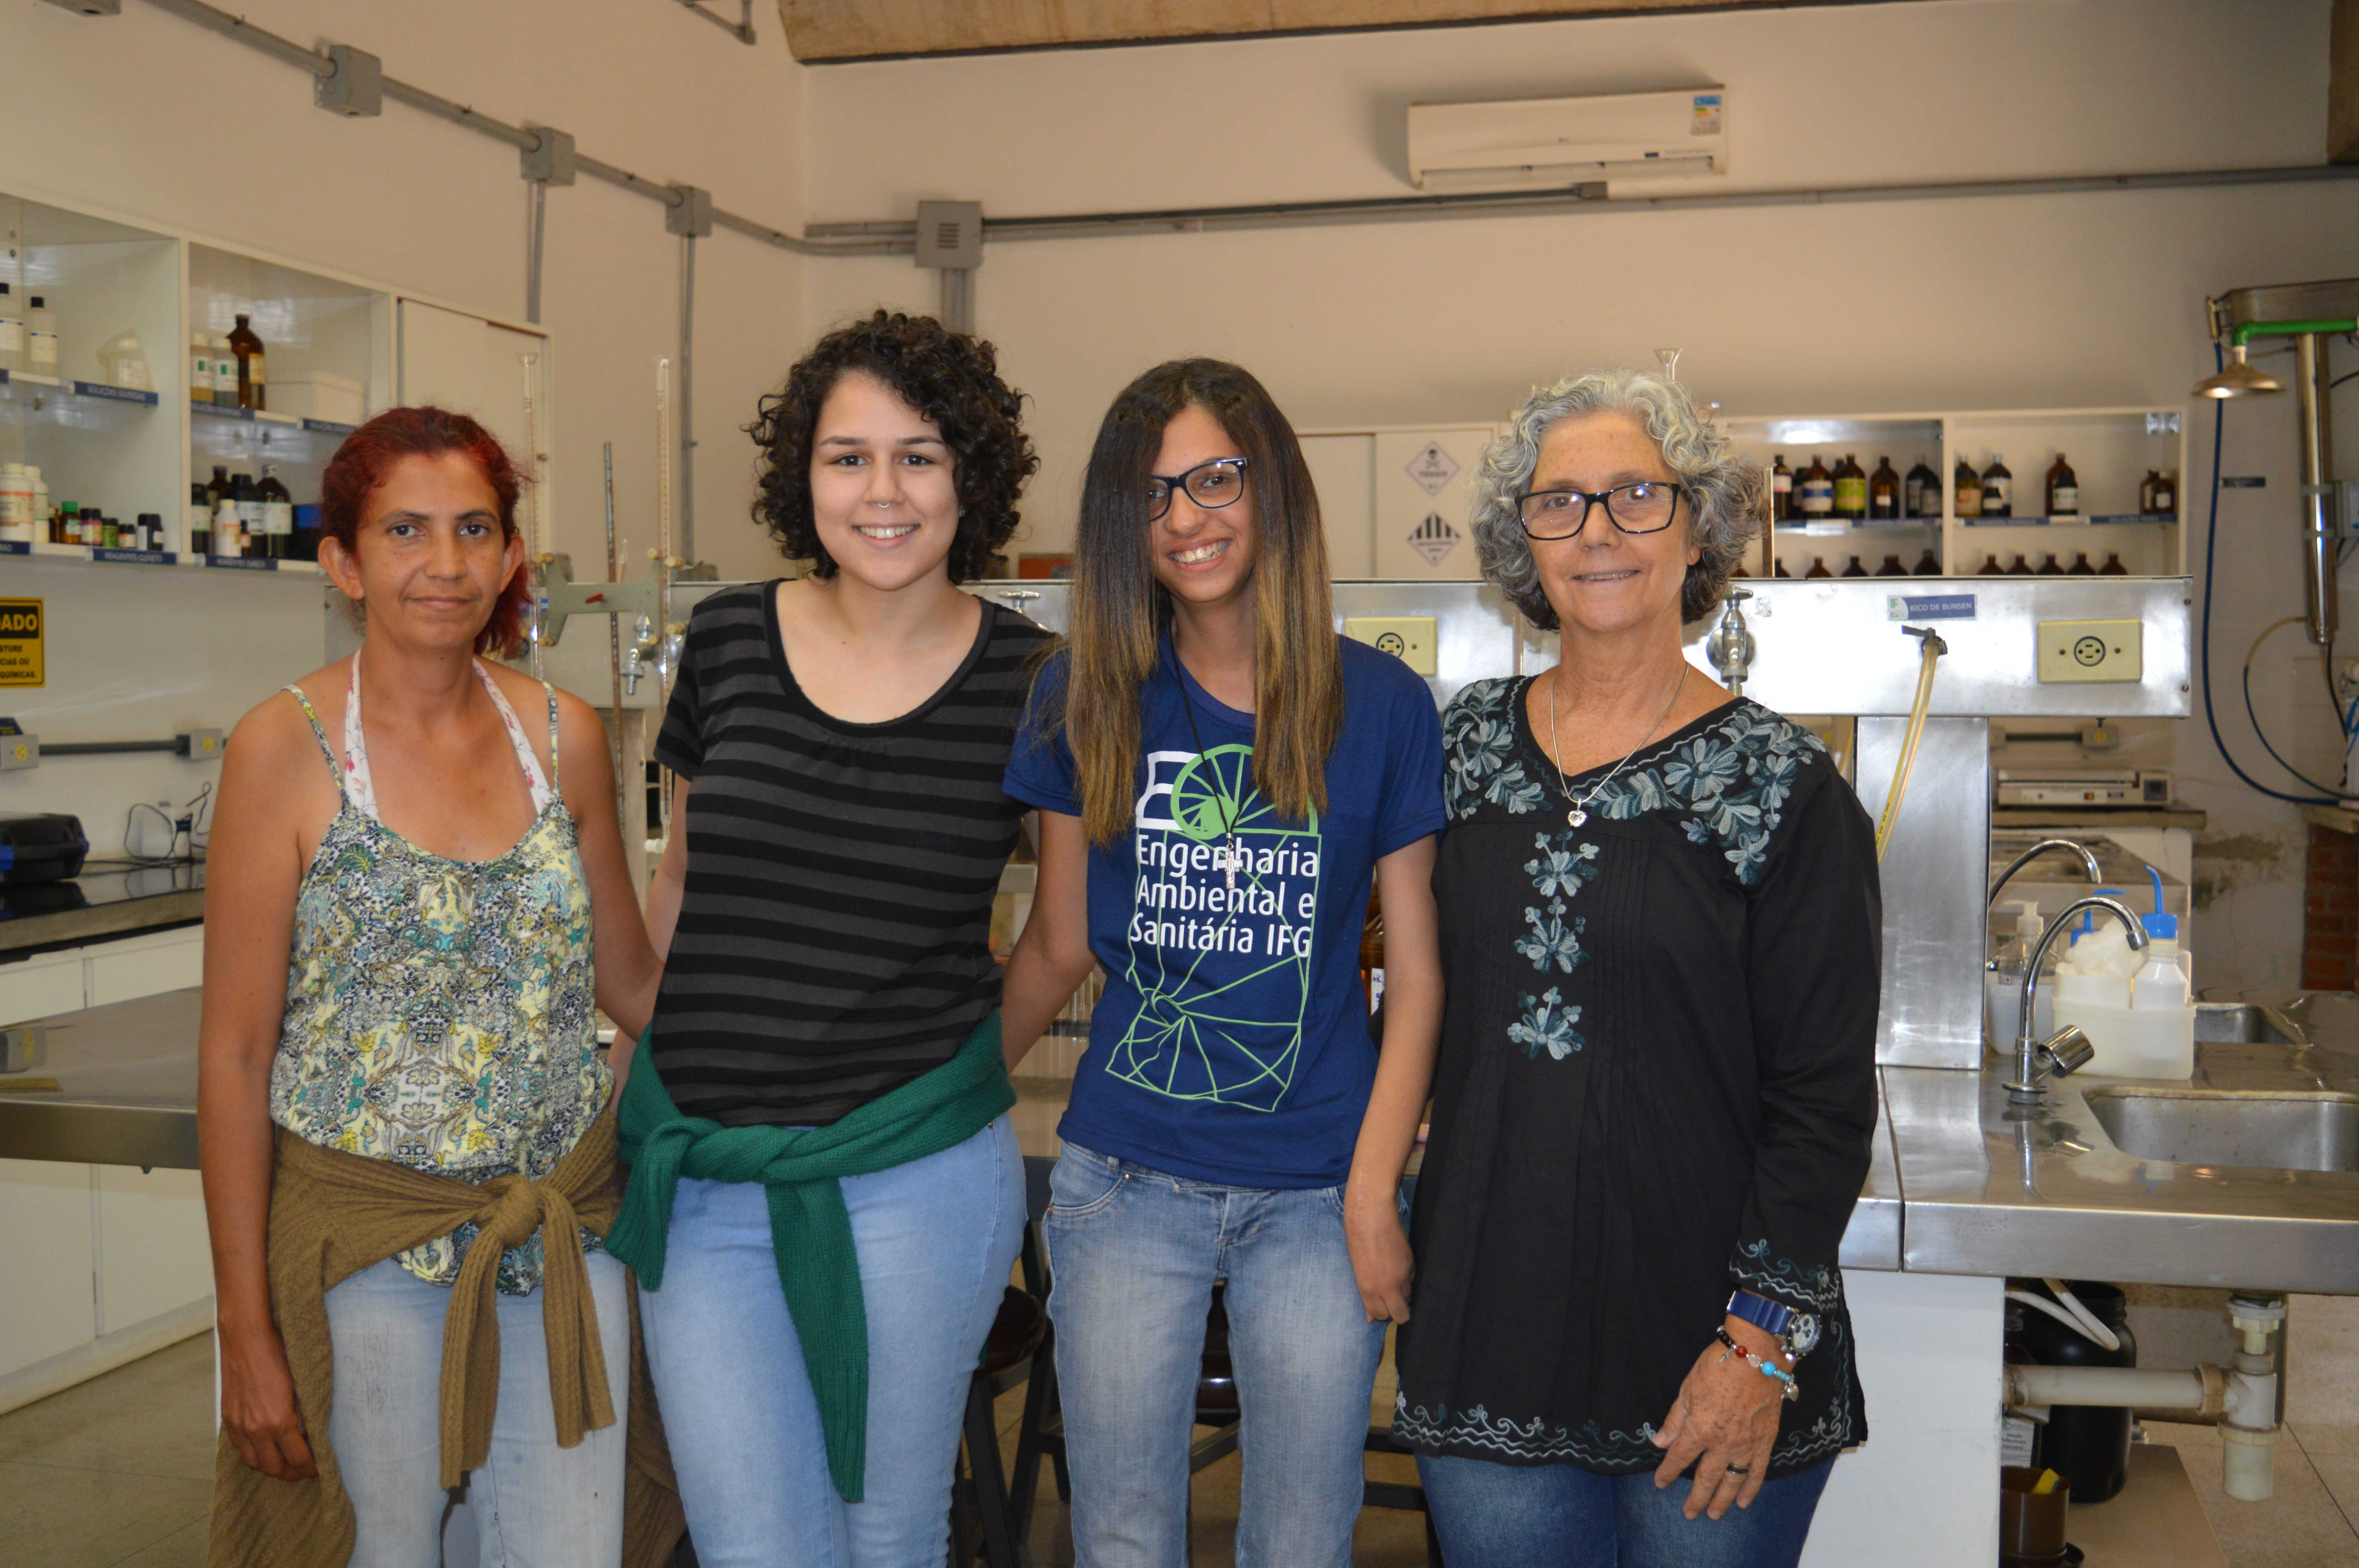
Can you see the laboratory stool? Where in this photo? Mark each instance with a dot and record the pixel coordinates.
(1014, 1353)
(1041, 1434)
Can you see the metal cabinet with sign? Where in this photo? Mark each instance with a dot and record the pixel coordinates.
(1395, 497)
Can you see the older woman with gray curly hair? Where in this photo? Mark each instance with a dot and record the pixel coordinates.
(1655, 1086)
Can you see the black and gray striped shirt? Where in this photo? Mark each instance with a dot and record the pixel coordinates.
(835, 934)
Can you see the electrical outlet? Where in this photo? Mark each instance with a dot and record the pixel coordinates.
(2092, 651)
(19, 750)
(200, 745)
(1409, 638)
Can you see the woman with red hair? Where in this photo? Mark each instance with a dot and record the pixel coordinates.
(402, 1109)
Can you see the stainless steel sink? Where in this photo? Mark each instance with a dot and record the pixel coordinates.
(2286, 1131)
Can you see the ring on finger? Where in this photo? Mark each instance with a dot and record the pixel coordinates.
(1740, 1469)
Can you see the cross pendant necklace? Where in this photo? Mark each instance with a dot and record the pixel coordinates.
(1578, 814)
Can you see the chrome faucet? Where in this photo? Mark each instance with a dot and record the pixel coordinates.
(1730, 646)
(2088, 864)
(2068, 1050)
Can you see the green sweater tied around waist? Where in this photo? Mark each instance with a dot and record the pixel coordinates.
(810, 1225)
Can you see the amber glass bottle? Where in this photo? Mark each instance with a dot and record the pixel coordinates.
(1991, 568)
(250, 374)
(1814, 488)
(1851, 489)
(2081, 567)
(1969, 486)
(1921, 491)
(1891, 568)
(1929, 564)
(2113, 567)
(2063, 489)
(2049, 567)
(1818, 567)
(1855, 569)
(1998, 489)
(2022, 568)
(1884, 491)
(1781, 490)
(1782, 571)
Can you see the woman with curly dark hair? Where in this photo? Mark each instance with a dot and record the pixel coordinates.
(826, 1194)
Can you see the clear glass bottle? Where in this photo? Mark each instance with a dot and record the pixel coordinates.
(224, 369)
(41, 355)
(200, 368)
(12, 331)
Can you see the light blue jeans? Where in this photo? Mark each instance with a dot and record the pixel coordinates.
(1135, 1253)
(1559, 1516)
(535, 1504)
(936, 1239)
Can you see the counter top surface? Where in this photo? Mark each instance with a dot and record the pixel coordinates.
(1989, 1189)
(1956, 1185)
(106, 900)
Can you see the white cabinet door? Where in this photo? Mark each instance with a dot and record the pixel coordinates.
(40, 987)
(1339, 466)
(145, 966)
(1422, 481)
(46, 1263)
(153, 1255)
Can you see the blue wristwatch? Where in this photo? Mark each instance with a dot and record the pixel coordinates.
(1798, 1331)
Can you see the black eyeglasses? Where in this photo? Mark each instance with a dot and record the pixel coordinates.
(1645, 507)
(1209, 484)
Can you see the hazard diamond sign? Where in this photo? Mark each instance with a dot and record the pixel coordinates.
(20, 643)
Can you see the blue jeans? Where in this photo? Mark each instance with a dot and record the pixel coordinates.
(1559, 1516)
(1135, 1254)
(534, 1502)
(936, 1239)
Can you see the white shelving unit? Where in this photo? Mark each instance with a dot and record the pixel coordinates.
(2110, 451)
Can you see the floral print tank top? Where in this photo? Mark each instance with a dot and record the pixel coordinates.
(441, 1012)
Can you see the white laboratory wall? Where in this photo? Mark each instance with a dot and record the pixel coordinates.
(157, 120)
(2047, 301)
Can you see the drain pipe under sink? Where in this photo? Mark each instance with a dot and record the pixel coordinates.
(2242, 1398)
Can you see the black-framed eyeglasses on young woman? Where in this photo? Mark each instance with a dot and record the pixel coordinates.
(1209, 484)
(1647, 506)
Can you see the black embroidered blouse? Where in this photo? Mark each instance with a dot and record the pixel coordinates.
(1655, 1084)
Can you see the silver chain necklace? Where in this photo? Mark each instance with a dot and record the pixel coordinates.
(1580, 812)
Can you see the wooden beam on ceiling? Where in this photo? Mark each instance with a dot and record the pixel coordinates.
(839, 30)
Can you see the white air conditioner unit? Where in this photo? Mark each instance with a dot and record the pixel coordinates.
(1540, 141)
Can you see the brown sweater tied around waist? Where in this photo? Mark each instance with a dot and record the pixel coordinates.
(334, 1215)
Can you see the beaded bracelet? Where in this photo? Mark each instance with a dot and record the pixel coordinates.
(1762, 1364)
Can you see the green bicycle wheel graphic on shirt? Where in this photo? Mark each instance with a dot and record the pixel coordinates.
(1224, 993)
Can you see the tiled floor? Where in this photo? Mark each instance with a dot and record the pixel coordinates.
(117, 1471)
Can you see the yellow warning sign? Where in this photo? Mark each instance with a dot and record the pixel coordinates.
(20, 643)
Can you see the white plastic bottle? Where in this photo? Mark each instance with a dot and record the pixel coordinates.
(125, 362)
(42, 356)
(12, 331)
(15, 505)
(2002, 983)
